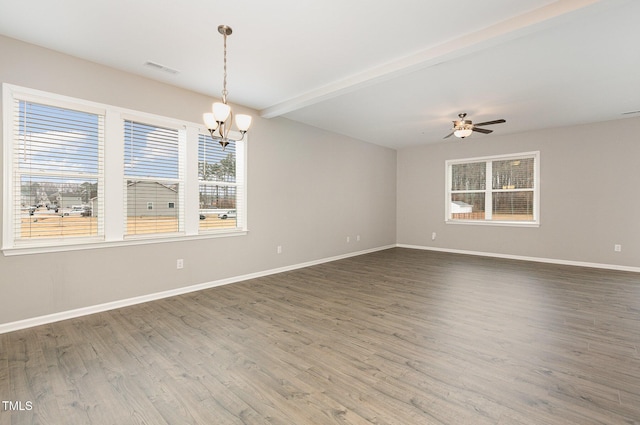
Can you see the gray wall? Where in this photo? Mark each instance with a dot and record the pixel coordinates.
(590, 200)
(308, 190)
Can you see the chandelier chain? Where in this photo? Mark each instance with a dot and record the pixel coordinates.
(224, 82)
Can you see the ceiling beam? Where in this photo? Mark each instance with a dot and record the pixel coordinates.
(490, 36)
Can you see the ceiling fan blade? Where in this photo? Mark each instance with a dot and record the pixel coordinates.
(482, 130)
(448, 135)
(491, 122)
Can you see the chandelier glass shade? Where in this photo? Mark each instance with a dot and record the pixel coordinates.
(219, 120)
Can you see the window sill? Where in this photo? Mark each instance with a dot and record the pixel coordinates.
(79, 246)
(495, 223)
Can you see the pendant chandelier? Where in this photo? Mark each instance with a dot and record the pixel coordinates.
(219, 121)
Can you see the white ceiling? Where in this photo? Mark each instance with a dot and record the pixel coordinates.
(394, 73)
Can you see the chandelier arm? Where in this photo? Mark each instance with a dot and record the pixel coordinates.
(227, 125)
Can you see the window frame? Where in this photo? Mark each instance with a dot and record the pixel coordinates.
(239, 185)
(11, 96)
(112, 199)
(488, 191)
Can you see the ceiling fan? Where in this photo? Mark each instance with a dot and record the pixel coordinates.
(463, 128)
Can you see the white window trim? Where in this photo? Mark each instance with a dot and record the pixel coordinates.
(114, 231)
(488, 191)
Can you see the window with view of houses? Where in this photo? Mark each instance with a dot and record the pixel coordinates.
(152, 177)
(61, 189)
(498, 190)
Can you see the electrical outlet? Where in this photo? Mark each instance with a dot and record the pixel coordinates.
(617, 248)
(433, 236)
(348, 239)
(358, 238)
(180, 263)
(279, 249)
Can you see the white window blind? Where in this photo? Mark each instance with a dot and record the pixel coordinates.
(501, 189)
(153, 179)
(57, 172)
(220, 191)
(513, 189)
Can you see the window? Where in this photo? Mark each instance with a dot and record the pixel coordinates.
(56, 172)
(220, 192)
(497, 190)
(80, 172)
(152, 176)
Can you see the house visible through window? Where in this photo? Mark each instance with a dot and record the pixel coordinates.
(500, 190)
(152, 176)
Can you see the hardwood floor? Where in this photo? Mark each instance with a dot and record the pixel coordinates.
(394, 337)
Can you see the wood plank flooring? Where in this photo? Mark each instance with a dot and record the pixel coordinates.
(394, 337)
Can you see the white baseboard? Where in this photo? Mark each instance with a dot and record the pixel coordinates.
(84, 311)
(525, 258)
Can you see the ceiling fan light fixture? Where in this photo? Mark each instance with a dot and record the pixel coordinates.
(464, 128)
(463, 132)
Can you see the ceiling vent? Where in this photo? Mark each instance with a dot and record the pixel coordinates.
(159, 67)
